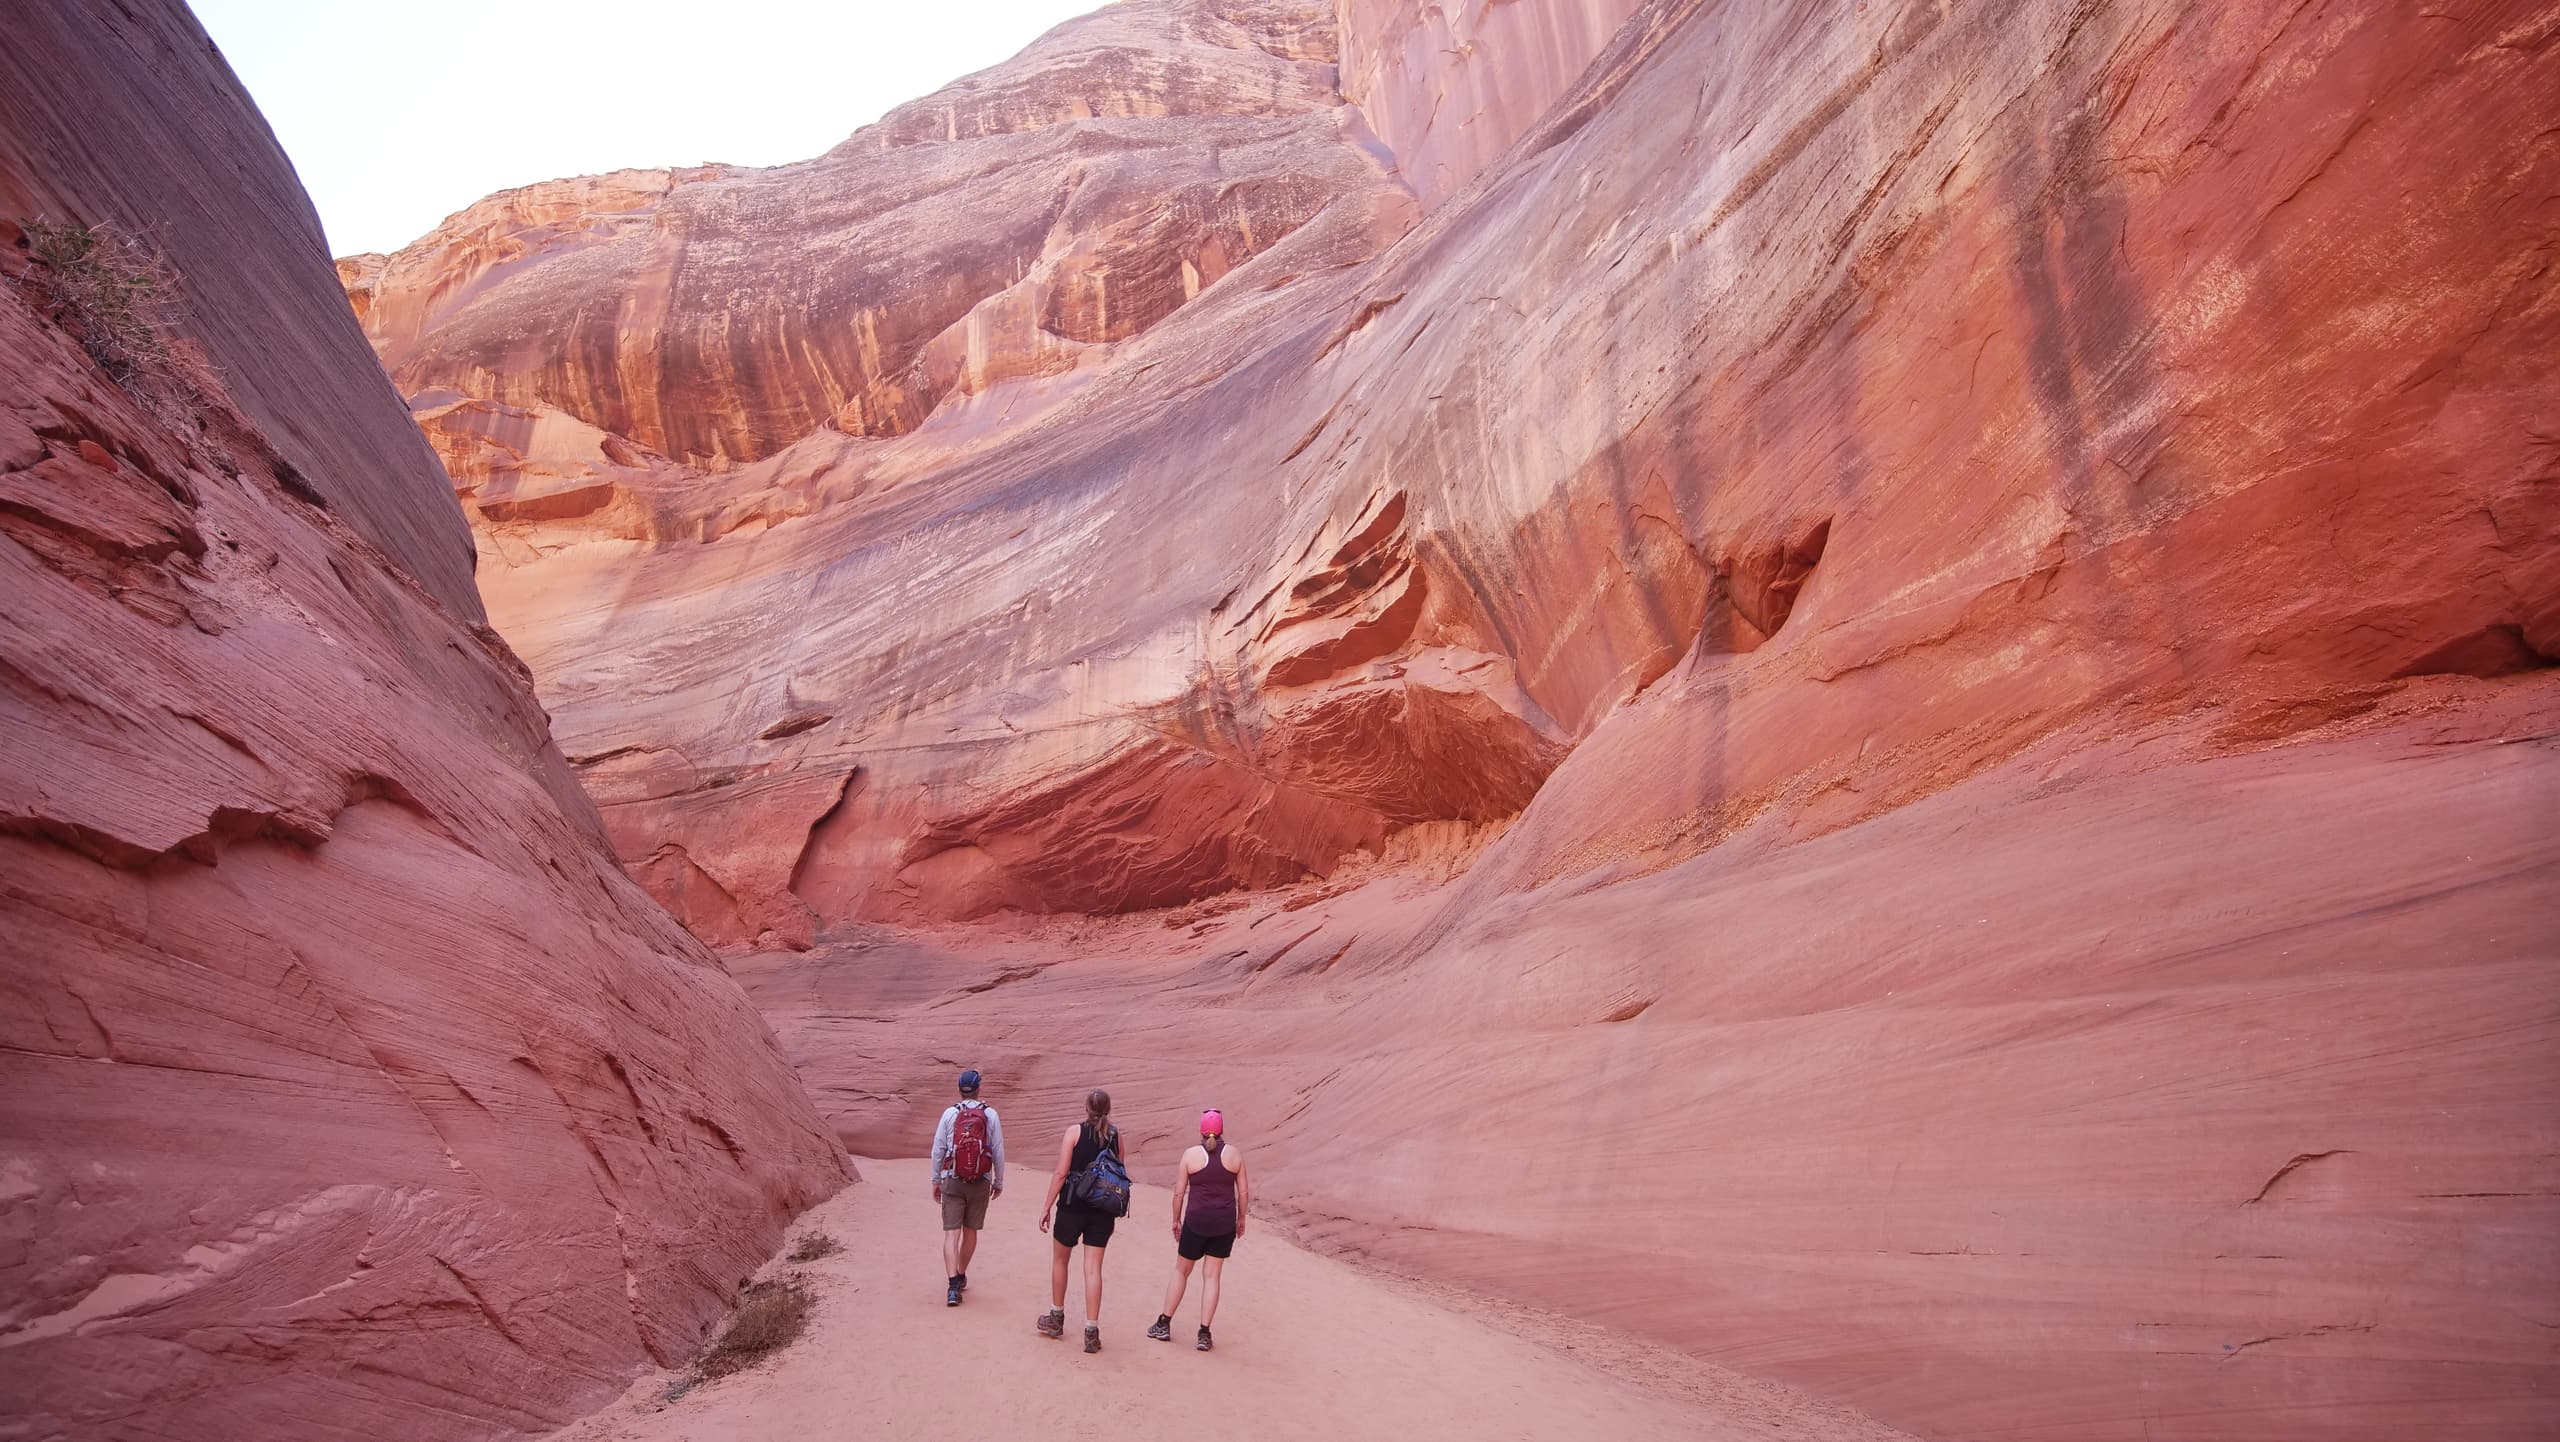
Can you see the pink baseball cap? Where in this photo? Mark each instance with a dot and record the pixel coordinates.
(1213, 1124)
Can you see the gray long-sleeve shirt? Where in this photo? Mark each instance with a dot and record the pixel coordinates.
(942, 1144)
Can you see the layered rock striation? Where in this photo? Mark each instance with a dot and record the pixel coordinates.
(1262, 577)
(1448, 87)
(1642, 576)
(1003, 228)
(347, 1085)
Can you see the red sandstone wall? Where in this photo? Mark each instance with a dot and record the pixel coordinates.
(1369, 532)
(347, 1086)
(1005, 227)
(2119, 1090)
(1449, 84)
(242, 237)
(1852, 480)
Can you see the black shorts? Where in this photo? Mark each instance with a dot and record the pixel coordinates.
(1192, 1246)
(1076, 1226)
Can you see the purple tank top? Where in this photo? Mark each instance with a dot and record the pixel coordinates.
(1210, 1210)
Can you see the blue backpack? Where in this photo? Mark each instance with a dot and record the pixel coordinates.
(1104, 1186)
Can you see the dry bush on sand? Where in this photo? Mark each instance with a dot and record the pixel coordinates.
(814, 1246)
(771, 1315)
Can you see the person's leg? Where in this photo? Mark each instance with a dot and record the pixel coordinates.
(1183, 1257)
(1209, 1290)
(952, 1211)
(951, 1225)
(1053, 1322)
(1092, 1286)
(973, 1220)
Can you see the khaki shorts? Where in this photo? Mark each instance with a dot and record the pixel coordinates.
(964, 1204)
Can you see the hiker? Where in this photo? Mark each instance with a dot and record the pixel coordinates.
(1209, 1199)
(968, 1173)
(1090, 1191)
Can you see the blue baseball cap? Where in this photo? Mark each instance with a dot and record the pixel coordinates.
(969, 1080)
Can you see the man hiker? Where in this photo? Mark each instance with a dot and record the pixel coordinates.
(968, 1172)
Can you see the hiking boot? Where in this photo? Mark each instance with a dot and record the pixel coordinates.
(1162, 1331)
(1053, 1323)
(1092, 1337)
(961, 1282)
(952, 1297)
(1203, 1344)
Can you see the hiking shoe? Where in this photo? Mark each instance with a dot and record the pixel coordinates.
(1203, 1344)
(960, 1283)
(1053, 1323)
(1092, 1337)
(952, 1297)
(1162, 1331)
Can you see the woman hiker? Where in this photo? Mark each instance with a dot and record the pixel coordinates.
(1208, 1215)
(1075, 1224)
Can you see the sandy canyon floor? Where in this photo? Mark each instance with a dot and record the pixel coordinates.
(1307, 1347)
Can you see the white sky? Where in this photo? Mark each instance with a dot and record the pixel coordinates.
(398, 115)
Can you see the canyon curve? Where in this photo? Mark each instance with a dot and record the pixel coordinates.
(1866, 689)
(1754, 648)
(1752, 444)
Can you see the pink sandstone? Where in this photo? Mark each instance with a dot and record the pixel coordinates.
(347, 1086)
(1761, 653)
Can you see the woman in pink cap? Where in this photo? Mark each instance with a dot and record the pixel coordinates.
(1209, 1202)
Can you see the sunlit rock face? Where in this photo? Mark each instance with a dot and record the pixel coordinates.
(1637, 589)
(1449, 86)
(1000, 229)
(1206, 552)
(347, 1085)
(1008, 244)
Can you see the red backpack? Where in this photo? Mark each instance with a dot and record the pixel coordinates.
(970, 1157)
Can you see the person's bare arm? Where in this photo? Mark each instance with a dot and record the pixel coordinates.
(995, 1143)
(941, 1150)
(1244, 1190)
(1181, 1189)
(1058, 1178)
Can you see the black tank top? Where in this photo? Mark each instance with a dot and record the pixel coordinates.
(1210, 1210)
(1089, 1145)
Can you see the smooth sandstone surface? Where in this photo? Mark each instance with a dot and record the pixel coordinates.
(1876, 699)
(1449, 86)
(2126, 1091)
(348, 1087)
(1372, 533)
(243, 236)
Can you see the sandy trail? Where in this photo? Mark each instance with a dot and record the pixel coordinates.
(1307, 1347)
